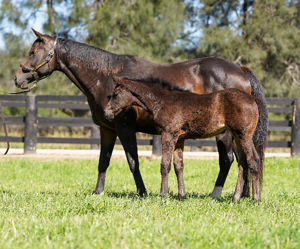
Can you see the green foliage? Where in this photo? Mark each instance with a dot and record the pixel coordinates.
(49, 204)
(144, 28)
(272, 36)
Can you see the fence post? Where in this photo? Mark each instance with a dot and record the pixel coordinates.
(95, 134)
(295, 148)
(156, 146)
(30, 140)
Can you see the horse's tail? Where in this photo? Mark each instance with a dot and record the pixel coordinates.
(261, 132)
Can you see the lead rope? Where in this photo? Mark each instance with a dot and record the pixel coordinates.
(24, 91)
(4, 128)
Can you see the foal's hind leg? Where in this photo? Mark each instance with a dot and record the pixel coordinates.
(242, 157)
(248, 159)
(226, 157)
(253, 164)
(246, 191)
(178, 165)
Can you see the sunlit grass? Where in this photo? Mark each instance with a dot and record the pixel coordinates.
(49, 204)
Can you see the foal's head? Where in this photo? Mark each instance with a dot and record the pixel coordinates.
(119, 101)
(39, 63)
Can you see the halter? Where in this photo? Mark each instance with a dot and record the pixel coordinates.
(33, 71)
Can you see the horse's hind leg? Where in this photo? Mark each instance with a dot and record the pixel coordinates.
(108, 139)
(128, 139)
(226, 157)
(178, 165)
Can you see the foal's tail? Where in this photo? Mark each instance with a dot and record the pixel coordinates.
(261, 132)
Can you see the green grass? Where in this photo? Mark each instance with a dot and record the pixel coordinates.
(49, 204)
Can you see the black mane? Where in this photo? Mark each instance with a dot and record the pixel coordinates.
(151, 81)
(93, 57)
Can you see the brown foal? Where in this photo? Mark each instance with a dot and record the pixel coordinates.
(180, 115)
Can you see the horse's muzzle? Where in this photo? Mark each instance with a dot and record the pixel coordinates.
(21, 84)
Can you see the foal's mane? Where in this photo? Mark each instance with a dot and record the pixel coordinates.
(93, 57)
(157, 82)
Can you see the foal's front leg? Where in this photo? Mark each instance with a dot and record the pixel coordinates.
(178, 165)
(168, 145)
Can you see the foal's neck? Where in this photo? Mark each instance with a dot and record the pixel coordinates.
(147, 97)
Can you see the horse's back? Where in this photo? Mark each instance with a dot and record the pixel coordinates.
(204, 75)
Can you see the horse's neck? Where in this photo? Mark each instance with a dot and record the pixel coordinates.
(87, 67)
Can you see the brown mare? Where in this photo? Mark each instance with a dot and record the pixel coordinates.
(180, 115)
(90, 69)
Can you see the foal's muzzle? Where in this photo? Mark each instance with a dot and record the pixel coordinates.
(108, 114)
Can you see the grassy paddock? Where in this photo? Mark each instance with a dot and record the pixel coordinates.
(49, 204)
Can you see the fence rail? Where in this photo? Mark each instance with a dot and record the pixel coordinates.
(32, 122)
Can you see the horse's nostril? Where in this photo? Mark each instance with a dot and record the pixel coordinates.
(16, 80)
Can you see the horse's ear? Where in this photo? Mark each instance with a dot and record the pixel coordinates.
(38, 34)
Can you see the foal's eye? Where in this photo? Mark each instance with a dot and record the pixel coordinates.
(31, 52)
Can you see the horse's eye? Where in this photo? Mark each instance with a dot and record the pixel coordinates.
(31, 52)
(109, 97)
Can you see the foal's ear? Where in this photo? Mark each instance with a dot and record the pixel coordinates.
(119, 84)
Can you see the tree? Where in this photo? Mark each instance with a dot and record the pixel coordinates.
(144, 28)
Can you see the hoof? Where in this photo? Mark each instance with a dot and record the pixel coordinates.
(98, 192)
(235, 199)
(216, 194)
(143, 194)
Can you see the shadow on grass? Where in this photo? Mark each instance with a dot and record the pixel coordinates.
(227, 198)
(171, 196)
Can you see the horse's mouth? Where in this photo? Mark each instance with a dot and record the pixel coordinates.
(22, 85)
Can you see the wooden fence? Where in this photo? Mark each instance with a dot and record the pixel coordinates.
(289, 107)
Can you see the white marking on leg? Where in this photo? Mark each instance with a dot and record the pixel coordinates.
(216, 192)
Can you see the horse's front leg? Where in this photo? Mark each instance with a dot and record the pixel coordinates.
(178, 165)
(127, 135)
(108, 139)
(168, 145)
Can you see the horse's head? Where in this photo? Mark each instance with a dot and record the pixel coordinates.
(39, 63)
(119, 101)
